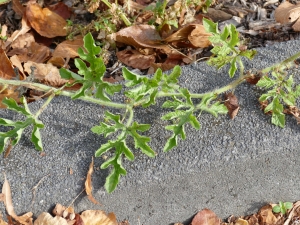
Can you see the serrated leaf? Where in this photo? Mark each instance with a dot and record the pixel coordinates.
(104, 129)
(185, 92)
(266, 82)
(67, 74)
(173, 115)
(233, 68)
(104, 148)
(13, 105)
(278, 119)
(141, 141)
(36, 138)
(210, 26)
(194, 122)
(124, 148)
(249, 53)
(113, 178)
(176, 72)
(176, 104)
(3, 142)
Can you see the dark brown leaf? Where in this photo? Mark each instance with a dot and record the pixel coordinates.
(231, 102)
(135, 59)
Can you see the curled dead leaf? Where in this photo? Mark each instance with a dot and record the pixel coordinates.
(88, 183)
(232, 104)
(96, 217)
(135, 59)
(266, 216)
(45, 22)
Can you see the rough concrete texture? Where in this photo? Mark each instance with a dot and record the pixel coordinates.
(230, 166)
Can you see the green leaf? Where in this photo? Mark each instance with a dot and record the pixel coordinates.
(288, 205)
(276, 209)
(13, 105)
(67, 74)
(113, 178)
(210, 26)
(139, 140)
(233, 68)
(36, 138)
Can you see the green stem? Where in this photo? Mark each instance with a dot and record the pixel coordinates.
(289, 62)
(58, 91)
(130, 118)
(44, 105)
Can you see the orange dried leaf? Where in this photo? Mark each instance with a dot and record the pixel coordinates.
(287, 12)
(266, 215)
(199, 37)
(88, 183)
(206, 217)
(46, 219)
(96, 217)
(68, 48)
(6, 68)
(232, 104)
(18, 7)
(45, 22)
(135, 59)
(7, 198)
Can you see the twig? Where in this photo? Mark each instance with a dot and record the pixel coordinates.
(35, 188)
(75, 198)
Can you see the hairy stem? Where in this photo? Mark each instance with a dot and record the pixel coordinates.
(57, 91)
(44, 105)
(288, 63)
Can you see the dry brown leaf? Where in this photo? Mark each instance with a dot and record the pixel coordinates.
(97, 217)
(182, 34)
(17, 63)
(266, 216)
(232, 104)
(88, 183)
(287, 12)
(46, 73)
(46, 219)
(199, 37)
(135, 59)
(23, 41)
(206, 217)
(68, 48)
(6, 68)
(25, 219)
(142, 36)
(25, 28)
(61, 9)
(18, 7)
(60, 209)
(45, 22)
(218, 15)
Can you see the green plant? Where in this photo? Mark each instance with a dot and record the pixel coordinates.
(282, 207)
(142, 91)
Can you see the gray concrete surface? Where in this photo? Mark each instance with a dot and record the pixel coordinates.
(230, 166)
